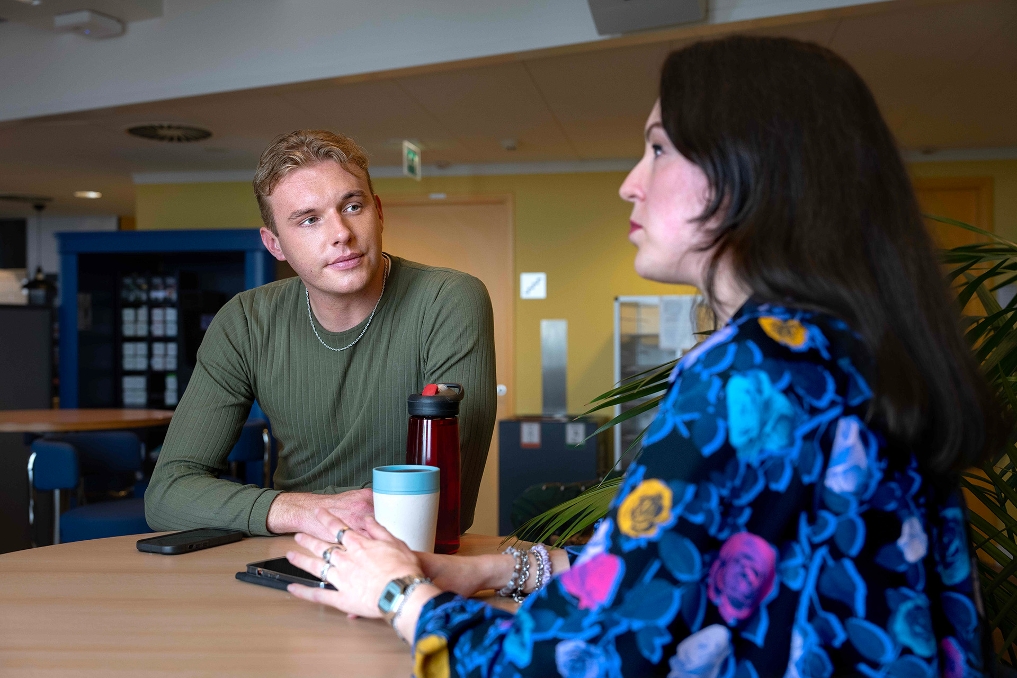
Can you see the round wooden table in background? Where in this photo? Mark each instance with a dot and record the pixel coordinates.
(101, 607)
(67, 421)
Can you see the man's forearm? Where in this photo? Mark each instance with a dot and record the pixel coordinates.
(288, 512)
(182, 496)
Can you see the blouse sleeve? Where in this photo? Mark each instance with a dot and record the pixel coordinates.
(759, 533)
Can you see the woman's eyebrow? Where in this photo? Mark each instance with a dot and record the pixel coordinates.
(649, 129)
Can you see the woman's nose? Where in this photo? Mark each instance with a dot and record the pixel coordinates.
(631, 189)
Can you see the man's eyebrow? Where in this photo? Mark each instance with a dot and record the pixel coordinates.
(300, 213)
(357, 193)
(650, 129)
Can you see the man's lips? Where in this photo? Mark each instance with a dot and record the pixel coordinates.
(346, 261)
(633, 227)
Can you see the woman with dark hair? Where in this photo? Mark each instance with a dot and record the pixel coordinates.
(795, 509)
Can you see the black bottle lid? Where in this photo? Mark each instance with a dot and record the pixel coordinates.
(437, 401)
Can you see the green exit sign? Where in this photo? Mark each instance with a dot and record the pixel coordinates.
(411, 161)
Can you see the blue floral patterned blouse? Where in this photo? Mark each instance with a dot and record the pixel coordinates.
(761, 532)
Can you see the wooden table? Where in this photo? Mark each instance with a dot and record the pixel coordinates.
(102, 608)
(65, 421)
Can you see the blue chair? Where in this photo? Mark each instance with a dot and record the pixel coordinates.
(254, 450)
(95, 465)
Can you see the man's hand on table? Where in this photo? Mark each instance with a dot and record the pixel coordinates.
(295, 512)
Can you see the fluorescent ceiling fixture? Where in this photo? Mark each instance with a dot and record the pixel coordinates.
(91, 195)
(30, 2)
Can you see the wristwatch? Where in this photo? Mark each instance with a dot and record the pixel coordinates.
(394, 595)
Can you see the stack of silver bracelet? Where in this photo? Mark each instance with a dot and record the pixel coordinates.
(521, 571)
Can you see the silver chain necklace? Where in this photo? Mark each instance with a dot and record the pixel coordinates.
(310, 317)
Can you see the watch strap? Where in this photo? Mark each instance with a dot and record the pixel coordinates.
(390, 607)
(400, 604)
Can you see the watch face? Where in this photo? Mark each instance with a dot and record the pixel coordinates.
(388, 596)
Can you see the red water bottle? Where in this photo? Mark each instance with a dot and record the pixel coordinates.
(432, 439)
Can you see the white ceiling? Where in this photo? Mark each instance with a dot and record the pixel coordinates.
(40, 15)
(944, 73)
(195, 47)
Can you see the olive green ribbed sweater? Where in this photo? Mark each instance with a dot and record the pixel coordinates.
(336, 415)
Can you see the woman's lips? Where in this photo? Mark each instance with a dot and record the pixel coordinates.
(344, 263)
(633, 227)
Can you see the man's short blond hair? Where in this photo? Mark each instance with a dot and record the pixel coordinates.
(299, 149)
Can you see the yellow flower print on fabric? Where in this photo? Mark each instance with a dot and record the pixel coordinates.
(645, 509)
(432, 658)
(788, 332)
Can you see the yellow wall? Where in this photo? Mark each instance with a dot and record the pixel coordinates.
(182, 206)
(571, 226)
(1004, 186)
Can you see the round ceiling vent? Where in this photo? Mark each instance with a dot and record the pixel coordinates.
(171, 133)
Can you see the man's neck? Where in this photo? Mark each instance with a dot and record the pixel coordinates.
(342, 312)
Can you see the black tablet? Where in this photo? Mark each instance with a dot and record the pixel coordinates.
(277, 573)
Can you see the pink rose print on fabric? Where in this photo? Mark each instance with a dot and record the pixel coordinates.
(595, 581)
(742, 576)
(953, 658)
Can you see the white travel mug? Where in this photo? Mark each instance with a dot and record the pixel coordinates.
(406, 503)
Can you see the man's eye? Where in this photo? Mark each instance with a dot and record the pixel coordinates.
(658, 150)
(309, 221)
(355, 207)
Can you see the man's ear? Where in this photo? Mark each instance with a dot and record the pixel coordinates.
(271, 241)
(381, 213)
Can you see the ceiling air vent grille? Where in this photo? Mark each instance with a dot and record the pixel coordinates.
(170, 133)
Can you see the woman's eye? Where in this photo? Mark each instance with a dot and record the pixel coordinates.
(658, 150)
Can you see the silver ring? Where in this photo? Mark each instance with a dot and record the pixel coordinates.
(339, 536)
(326, 555)
(324, 571)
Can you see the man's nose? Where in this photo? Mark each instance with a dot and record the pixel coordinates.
(341, 233)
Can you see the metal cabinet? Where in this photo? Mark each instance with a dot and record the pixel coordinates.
(650, 331)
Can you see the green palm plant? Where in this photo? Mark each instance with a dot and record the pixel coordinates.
(975, 271)
(978, 271)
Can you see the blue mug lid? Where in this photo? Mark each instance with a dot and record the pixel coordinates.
(406, 479)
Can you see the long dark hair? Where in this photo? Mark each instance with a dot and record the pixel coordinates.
(815, 208)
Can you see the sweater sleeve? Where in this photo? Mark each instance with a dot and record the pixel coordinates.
(458, 347)
(185, 491)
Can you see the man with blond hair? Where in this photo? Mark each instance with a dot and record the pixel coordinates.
(330, 356)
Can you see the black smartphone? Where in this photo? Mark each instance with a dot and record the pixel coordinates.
(189, 540)
(278, 572)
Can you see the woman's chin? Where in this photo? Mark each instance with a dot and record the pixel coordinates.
(654, 273)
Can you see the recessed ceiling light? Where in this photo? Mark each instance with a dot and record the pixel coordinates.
(91, 195)
(169, 132)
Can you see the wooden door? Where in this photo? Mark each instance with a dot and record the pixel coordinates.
(967, 199)
(473, 235)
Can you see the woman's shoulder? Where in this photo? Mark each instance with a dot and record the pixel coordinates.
(793, 343)
(769, 378)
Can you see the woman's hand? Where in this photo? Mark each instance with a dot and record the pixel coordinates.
(466, 575)
(360, 572)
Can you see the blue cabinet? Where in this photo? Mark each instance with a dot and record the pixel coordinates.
(207, 266)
